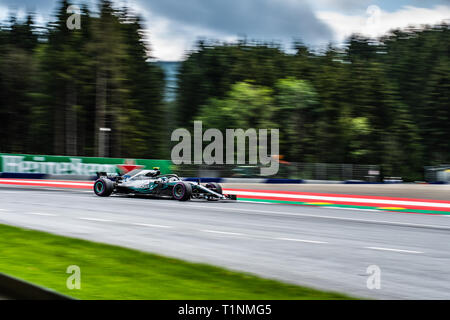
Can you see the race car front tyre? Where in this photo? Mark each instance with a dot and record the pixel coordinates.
(182, 191)
(103, 187)
(215, 187)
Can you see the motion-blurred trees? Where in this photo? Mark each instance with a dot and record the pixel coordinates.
(57, 92)
(17, 82)
(295, 116)
(375, 101)
(245, 106)
(212, 69)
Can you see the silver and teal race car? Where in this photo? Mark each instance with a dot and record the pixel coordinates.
(151, 182)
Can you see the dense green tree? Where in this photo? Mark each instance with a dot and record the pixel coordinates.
(245, 106)
(213, 68)
(296, 108)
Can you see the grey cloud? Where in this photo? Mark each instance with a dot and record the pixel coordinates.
(263, 19)
(348, 6)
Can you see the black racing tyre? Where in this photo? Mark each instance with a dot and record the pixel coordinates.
(182, 191)
(103, 187)
(215, 187)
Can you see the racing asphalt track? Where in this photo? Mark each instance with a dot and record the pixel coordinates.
(325, 248)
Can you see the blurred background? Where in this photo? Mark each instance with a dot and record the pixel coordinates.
(368, 108)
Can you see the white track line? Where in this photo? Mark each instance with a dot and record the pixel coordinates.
(394, 250)
(43, 182)
(240, 234)
(42, 214)
(150, 225)
(357, 209)
(223, 232)
(301, 240)
(262, 212)
(265, 212)
(259, 202)
(96, 219)
(344, 199)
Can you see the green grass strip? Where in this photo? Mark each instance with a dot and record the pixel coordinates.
(344, 206)
(111, 272)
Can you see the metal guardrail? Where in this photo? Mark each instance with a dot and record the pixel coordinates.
(292, 170)
(17, 289)
(439, 173)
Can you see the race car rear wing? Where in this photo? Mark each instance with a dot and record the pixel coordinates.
(110, 177)
(101, 174)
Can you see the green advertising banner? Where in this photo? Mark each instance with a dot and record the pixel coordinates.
(63, 165)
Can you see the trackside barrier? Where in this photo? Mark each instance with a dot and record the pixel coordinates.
(12, 175)
(293, 181)
(289, 170)
(22, 290)
(296, 181)
(279, 181)
(26, 164)
(245, 180)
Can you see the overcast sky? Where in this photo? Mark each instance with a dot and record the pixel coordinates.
(173, 26)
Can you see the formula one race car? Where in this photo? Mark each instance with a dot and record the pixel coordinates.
(151, 182)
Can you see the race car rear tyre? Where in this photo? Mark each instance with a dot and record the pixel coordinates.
(215, 187)
(182, 191)
(103, 187)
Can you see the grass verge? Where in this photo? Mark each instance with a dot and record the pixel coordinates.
(111, 272)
